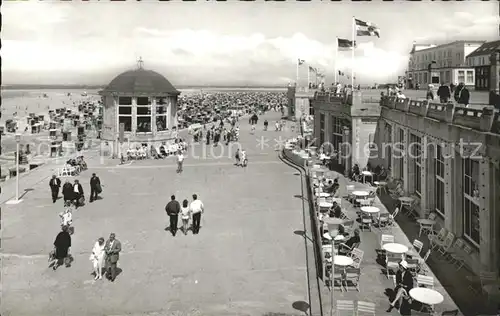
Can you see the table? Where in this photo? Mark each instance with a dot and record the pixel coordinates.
(325, 204)
(395, 248)
(360, 193)
(425, 221)
(370, 209)
(366, 174)
(342, 261)
(381, 185)
(406, 200)
(333, 221)
(339, 237)
(323, 194)
(426, 296)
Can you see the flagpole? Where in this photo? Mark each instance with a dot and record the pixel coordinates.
(336, 60)
(297, 75)
(308, 77)
(352, 52)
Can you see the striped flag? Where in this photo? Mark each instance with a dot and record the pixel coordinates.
(345, 44)
(366, 29)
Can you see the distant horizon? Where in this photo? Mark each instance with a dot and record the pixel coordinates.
(85, 86)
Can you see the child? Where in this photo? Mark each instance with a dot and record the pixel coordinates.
(185, 214)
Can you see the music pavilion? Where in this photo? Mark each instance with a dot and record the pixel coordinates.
(140, 107)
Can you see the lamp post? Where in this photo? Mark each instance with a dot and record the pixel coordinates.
(17, 200)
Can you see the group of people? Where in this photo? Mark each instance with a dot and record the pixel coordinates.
(216, 134)
(73, 192)
(188, 212)
(104, 256)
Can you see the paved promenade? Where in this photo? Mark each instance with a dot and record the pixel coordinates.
(245, 261)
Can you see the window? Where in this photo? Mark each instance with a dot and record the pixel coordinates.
(161, 114)
(321, 129)
(127, 122)
(439, 180)
(447, 78)
(470, 76)
(143, 115)
(461, 76)
(125, 100)
(337, 133)
(371, 141)
(400, 155)
(425, 78)
(470, 207)
(449, 53)
(416, 159)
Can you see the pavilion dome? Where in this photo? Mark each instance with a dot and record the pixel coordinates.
(141, 81)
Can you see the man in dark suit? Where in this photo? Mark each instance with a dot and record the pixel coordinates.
(95, 187)
(78, 193)
(55, 184)
(112, 249)
(67, 192)
(173, 209)
(444, 93)
(404, 283)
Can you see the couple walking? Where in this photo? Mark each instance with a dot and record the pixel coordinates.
(194, 210)
(105, 256)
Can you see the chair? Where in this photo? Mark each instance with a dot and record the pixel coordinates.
(338, 275)
(416, 248)
(352, 275)
(392, 217)
(391, 263)
(384, 239)
(348, 226)
(445, 245)
(345, 306)
(457, 247)
(425, 281)
(450, 313)
(349, 249)
(365, 308)
(383, 221)
(459, 259)
(429, 228)
(413, 264)
(437, 238)
(366, 220)
(422, 269)
(357, 257)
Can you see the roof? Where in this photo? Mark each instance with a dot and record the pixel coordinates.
(140, 81)
(486, 49)
(448, 44)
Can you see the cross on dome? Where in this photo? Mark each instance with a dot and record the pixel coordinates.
(140, 63)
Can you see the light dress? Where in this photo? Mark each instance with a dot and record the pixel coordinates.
(185, 213)
(98, 255)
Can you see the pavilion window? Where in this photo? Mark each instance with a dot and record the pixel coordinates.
(125, 117)
(161, 114)
(416, 158)
(125, 101)
(439, 166)
(470, 205)
(143, 115)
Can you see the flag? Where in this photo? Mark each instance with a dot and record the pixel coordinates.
(344, 43)
(366, 29)
(341, 73)
(313, 69)
(300, 61)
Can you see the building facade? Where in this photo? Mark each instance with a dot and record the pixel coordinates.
(431, 64)
(139, 107)
(448, 158)
(480, 60)
(345, 125)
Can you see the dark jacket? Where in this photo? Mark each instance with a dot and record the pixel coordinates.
(67, 191)
(94, 181)
(80, 188)
(173, 208)
(62, 243)
(405, 280)
(444, 92)
(353, 240)
(464, 96)
(55, 184)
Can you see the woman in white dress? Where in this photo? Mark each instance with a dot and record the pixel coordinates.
(98, 258)
(185, 215)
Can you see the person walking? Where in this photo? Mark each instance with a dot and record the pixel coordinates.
(197, 208)
(95, 187)
(54, 184)
(462, 95)
(62, 244)
(112, 250)
(78, 196)
(185, 214)
(173, 209)
(180, 160)
(67, 191)
(97, 257)
(444, 93)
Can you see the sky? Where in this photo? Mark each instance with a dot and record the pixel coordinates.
(231, 43)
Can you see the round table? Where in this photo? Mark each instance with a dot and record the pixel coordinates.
(360, 193)
(326, 204)
(370, 209)
(339, 238)
(426, 296)
(406, 199)
(367, 173)
(425, 221)
(342, 261)
(323, 194)
(380, 183)
(395, 248)
(333, 221)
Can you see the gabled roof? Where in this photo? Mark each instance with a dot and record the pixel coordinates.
(486, 49)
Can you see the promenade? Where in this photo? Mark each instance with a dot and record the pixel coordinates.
(245, 261)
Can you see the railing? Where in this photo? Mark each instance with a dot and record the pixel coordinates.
(485, 119)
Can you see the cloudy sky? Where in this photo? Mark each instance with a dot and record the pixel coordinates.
(223, 43)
